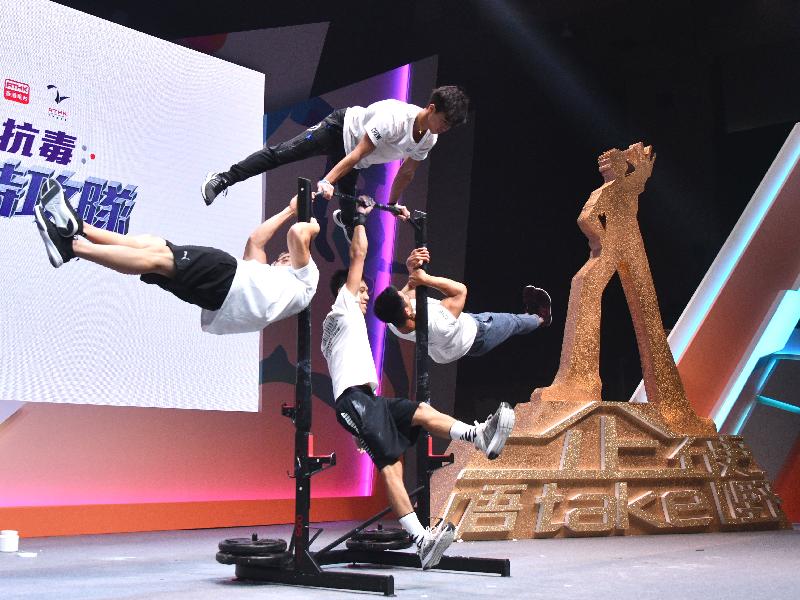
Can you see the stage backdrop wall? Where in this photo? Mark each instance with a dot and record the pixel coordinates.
(70, 468)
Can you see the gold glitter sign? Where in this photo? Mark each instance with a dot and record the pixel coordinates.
(577, 466)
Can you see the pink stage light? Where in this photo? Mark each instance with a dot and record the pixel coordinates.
(401, 83)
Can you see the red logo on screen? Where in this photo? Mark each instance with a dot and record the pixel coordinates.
(16, 91)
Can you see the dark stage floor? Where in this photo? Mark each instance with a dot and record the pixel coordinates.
(180, 564)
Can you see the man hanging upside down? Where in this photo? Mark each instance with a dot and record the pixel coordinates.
(236, 296)
(386, 427)
(453, 333)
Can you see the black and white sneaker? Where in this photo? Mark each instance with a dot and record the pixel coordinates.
(213, 185)
(59, 248)
(347, 229)
(66, 220)
(491, 435)
(431, 547)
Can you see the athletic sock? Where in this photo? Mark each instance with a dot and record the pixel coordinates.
(461, 432)
(412, 525)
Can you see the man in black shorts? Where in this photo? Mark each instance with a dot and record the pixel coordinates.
(386, 427)
(236, 296)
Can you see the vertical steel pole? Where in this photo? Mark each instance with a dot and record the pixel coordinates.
(302, 418)
(423, 394)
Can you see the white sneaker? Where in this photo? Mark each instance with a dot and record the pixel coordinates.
(432, 546)
(491, 435)
(51, 198)
(59, 248)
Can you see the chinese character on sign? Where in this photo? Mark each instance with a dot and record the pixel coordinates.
(732, 457)
(17, 138)
(10, 184)
(495, 510)
(57, 147)
(746, 502)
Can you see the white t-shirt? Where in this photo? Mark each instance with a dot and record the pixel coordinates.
(261, 294)
(345, 345)
(448, 338)
(390, 126)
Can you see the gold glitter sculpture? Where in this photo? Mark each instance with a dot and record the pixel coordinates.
(576, 465)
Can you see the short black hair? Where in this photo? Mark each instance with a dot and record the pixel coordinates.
(453, 102)
(390, 307)
(338, 279)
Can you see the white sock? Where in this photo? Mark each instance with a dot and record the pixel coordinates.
(461, 432)
(412, 525)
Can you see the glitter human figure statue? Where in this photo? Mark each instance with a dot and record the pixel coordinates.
(609, 221)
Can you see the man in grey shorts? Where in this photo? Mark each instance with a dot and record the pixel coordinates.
(453, 333)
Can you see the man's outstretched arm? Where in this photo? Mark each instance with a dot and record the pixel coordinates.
(254, 249)
(455, 293)
(344, 166)
(404, 176)
(358, 253)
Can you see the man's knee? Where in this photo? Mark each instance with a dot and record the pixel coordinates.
(393, 473)
(423, 414)
(146, 240)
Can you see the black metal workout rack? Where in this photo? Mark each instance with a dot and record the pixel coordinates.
(272, 560)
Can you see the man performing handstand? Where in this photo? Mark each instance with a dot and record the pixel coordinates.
(236, 296)
(355, 138)
(453, 333)
(386, 427)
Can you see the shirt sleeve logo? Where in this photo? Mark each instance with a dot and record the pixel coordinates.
(375, 132)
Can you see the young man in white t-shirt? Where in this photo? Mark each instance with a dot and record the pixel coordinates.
(355, 138)
(453, 333)
(386, 427)
(236, 296)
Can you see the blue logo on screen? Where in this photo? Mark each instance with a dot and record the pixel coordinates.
(99, 202)
(59, 97)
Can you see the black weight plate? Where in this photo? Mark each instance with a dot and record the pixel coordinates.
(279, 559)
(385, 534)
(248, 547)
(372, 545)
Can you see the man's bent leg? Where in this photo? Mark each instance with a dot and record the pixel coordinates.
(314, 141)
(433, 421)
(489, 437)
(496, 328)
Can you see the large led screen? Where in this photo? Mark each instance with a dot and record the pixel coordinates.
(130, 125)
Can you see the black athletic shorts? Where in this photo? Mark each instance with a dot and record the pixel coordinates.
(203, 275)
(382, 424)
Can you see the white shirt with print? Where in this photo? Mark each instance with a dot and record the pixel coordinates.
(390, 126)
(449, 338)
(345, 345)
(261, 294)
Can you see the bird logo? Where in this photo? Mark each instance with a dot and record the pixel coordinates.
(59, 97)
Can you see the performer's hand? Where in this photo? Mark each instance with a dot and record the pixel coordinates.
(325, 188)
(365, 209)
(416, 278)
(293, 205)
(313, 227)
(417, 258)
(404, 214)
